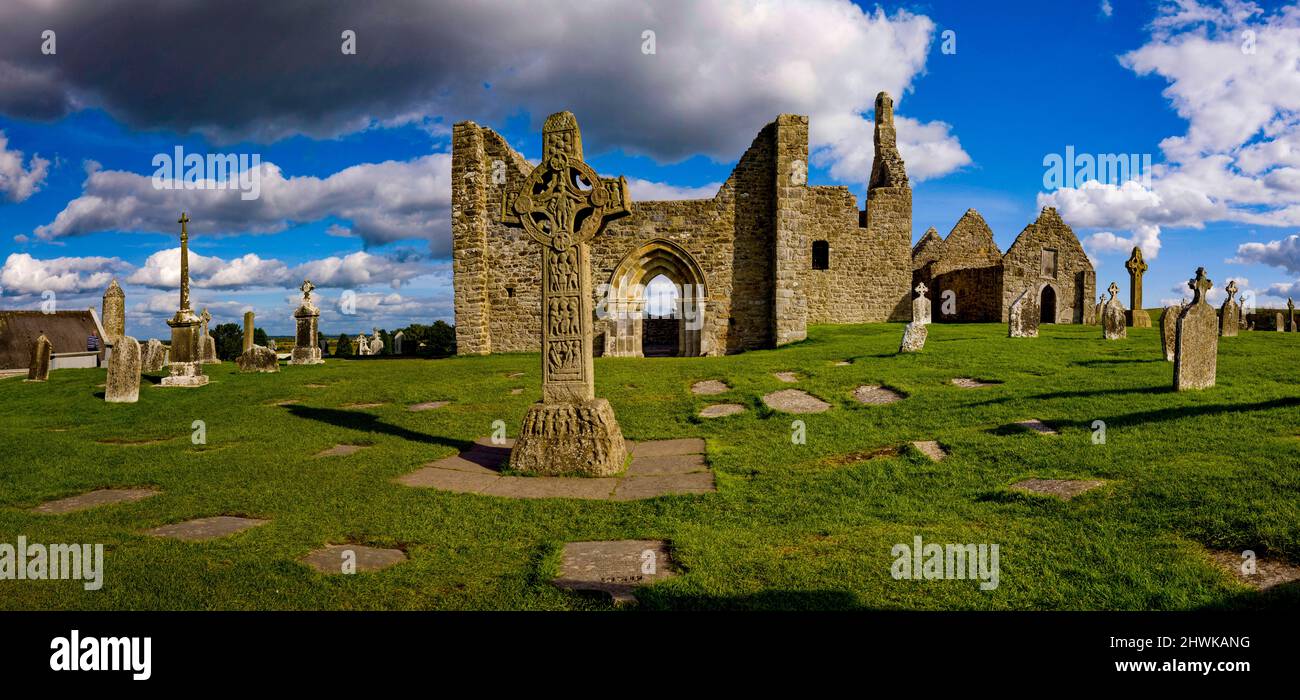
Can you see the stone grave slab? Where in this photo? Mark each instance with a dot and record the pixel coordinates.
(971, 383)
(456, 480)
(1269, 572)
(516, 392)
(202, 529)
(795, 401)
(931, 449)
(333, 558)
(1037, 426)
(718, 410)
(616, 568)
(340, 451)
(588, 488)
(632, 488)
(93, 499)
(362, 405)
(659, 448)
(426, 406)
(709, 387)
(875, 394)
(1065, 489)
(666, 464)
(787, 377)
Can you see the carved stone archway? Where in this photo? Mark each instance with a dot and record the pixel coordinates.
(1047, 304)
(625, 303)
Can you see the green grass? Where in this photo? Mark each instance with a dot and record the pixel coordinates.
(791, 527)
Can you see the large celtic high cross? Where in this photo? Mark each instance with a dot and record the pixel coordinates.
(563, 204)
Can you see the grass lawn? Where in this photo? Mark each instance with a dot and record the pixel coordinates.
(791, 527)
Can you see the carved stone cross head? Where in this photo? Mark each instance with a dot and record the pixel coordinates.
(563, 201)
(921, 289)
(1200, 285)
(1231, 289)
(1136, 265)
(1113, 289)
(306, 288)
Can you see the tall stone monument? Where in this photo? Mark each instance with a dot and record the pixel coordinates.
(1197, 351)
(38, 369)
(915, 333)
(123, 383)
(1024, 315)
(1290, 315)
(1136, 316)
(113, 312)
(305, 349)
(248, 331)
(1113, 321)
(186, 369)
(1230, 313)
(562, 204)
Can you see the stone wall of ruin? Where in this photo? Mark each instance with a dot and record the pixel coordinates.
(1075, 280)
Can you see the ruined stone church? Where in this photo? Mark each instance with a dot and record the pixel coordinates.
(754, 265)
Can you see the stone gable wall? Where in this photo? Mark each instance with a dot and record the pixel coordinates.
(1075, 281)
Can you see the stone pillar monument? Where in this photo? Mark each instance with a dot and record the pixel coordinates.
(186, 370)
(1230, 313)
(113, 312)
(562, 205)
(38, 369)
(248, 331)
(397, 342)
(1290, 315)
(305, 350)
(1196, 352)
(1137, 316)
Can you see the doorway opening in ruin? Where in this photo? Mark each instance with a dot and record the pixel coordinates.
(656, 304)
(1047, 305)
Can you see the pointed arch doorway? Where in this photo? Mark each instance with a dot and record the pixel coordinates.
(1047, 304)
(656, 305)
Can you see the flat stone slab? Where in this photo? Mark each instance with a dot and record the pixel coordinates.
(876, 395)
(931, 449)
(616, 568)
(206, 528)
(709, 387)
(426, 406)
(659, 467)
(1065, 489)
(515, 375)
(342, 558)
(362, 405)
(795, 401)
(516, 392)
(340, 451)
(316, 386)
(718, 410)
(787, 377)
(1037, 426)
(94, 499)
(969, 383)
(843, 363)
(1268, 572)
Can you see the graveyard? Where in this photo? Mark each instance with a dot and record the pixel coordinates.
(977, 437)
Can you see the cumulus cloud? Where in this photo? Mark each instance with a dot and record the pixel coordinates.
(1283, 253)
(718, 71)
(361, 268)
(162, 270)
(17, 183)
(647, 191)
(22, 274)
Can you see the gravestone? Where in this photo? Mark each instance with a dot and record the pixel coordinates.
(38, 369)
(248, 331)
(376, 343)
(1136, 316)
(363, 345)
(1241, 309)
(305, 350)
(921, 305)
(1279, 323)
(1113, 321)
(123, 383)
(258, 359)
(1169, 330)
(1196, 354)
(208, 350)
(183, 355)
(1229, 314)
(153, 356)
(397, 342)
(562, 204)
(1290, 315)
(915, 333)
(113, 311)
(1023, 316)
(1099, 311)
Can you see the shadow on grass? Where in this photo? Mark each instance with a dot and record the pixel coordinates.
(1285, 596)
(1153, 390)
(652, 598)
(1164, 414)
(367, 423)
(1095, 363)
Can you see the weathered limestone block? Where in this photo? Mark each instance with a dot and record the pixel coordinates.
(1113, 320)
(210, 351)
(114, 311)
(123, 383)
(1169, 330)
(258, 359)
(1229, 313)
(1197, 349)
(1024, 315)
(914, 336)
(38, 369)
(570, 439)
(153, 356)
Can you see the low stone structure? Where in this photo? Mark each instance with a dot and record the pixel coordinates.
(305, 348)
(1196, 353)
(1022, 319)
(123, 383)
(1113, 320)
(38, 369)
(153, 356)
(1137, 317)
(1169, 330)
(258, 359)
(1229, 313)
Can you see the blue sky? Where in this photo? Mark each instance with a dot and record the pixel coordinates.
(359, 196)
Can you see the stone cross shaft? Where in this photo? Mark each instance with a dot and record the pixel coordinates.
(185, 261)
(1136, 267)
(562, 205)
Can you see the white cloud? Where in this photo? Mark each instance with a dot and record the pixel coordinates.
(648, 191)
(16, 182)
(1284, 253)
(1106, 9)
(22, 274)
(161, 270)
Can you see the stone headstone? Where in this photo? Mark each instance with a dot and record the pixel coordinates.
(376, 343)
(153, 356)
(1242, 312)
(1229, 313)
(1290, 315)
(1197, 349)
(1023, 316)
(1099, 311)
(914, 336)
(186, 346)
(1113, 321)
(38, 369)
(305, 349)
(113, 311)
(123, 383)
(258, 359)
(397, 342)
(562, 205)
(1136, 316)
(1279, 323)
(1169, 330)
(921, 305)
(248, 331)
(362, 345)
(208, 344)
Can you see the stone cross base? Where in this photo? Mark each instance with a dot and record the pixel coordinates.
(570, 440)
(185, 374)
(306, 356)
(1138, 318)
(258, 359)
(209, 353)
